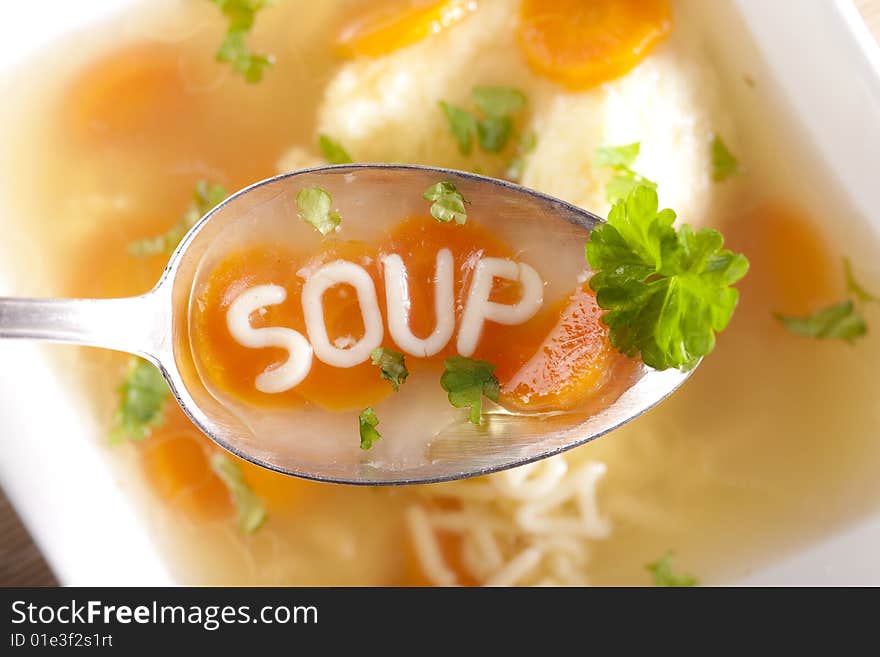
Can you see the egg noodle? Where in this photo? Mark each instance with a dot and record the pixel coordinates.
(527, 526)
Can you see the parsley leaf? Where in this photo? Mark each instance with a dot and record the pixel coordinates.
(494, 133)
(392, 365)
(621, 184)
(251, 512)
(617, 156)
(462, 124)
(142, 397)
(664, 576)
(494, 128)
(467, 381)
(498, 101)
(315, 208)
(624, 180)
(205, 198)
(665, 292)
(524, 148)
(841, 321)
(448, 203)
(724, 164)
(854, 287)
(367, 422)
(333, 151)
(234, 49)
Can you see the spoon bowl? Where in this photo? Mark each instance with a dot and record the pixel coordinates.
(156, 326)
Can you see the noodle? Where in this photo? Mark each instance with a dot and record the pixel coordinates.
(524, 526)
(428, 549)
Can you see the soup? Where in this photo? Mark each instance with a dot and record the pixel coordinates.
(772, 439)
(303, 334)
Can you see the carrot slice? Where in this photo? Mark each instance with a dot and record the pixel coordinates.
(793, 272)
(233, 368)
(178, 468)
(395, 25)
(573, 363)
(131, 92)
(582, 43)
(228, 365)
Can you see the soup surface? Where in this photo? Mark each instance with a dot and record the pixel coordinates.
(769, 445)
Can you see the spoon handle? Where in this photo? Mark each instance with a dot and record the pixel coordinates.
(136, 325)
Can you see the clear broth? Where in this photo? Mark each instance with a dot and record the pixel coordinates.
(772, 444)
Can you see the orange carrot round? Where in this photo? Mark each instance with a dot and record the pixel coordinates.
(393, 26)
(582, 43)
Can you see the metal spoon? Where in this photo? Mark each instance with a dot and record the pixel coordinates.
(154, 326)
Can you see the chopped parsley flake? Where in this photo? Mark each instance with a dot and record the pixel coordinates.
(854, 287)
(467, 381)
(367, 422)
(498, 101)
(462, 124)
(333, 151)
(664, 575)
(624, 180)
(392, 366)
(493, 127)
(523, 149)
(493, 133)
(617, 156)
(315, 208)
(251, 512)
(841, 321)
(234, 49)
(448, 203)
(142, 397)
(724, 164)
(206, 196)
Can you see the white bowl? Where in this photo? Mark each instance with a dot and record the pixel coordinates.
(820, 59)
